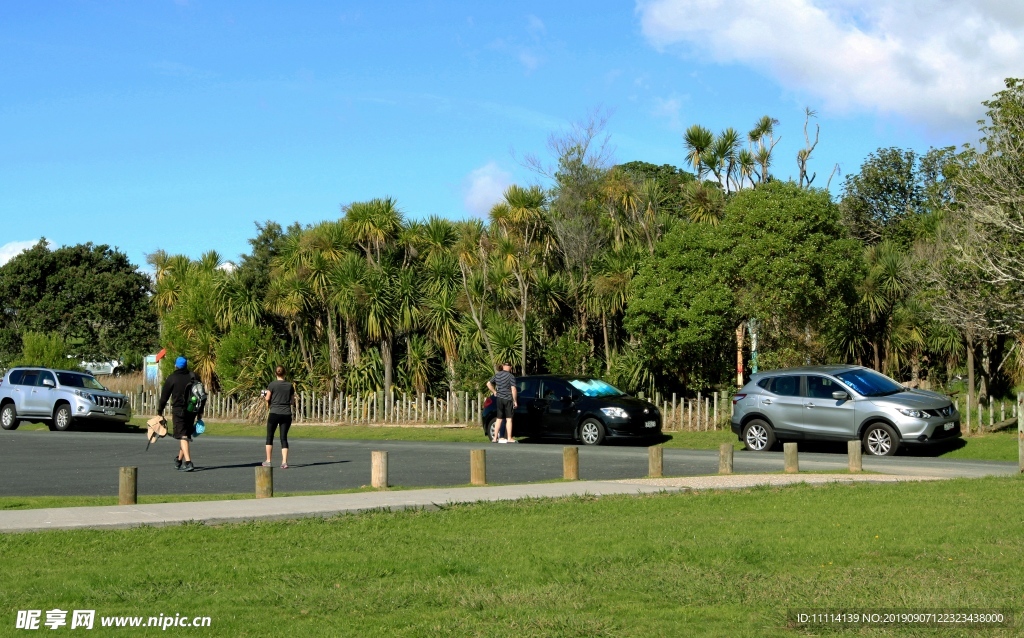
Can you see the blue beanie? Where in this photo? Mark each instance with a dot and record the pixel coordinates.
(180, 362)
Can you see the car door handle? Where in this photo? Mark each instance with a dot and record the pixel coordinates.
(766, 401)
(808, 405)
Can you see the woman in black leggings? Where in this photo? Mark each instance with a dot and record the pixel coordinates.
(280, 397)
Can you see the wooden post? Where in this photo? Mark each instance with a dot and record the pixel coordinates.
(478, 467)
(714, 423)
(991, 412)
(981, 421)
(725, 456)
(853, 451)
(673, 418)
(128, 486)
(379, 469)
(655, 461)
(707, 411)
(791, 459)
(571, 463)
(1002, 410)
(1020, 432)
(264, 482)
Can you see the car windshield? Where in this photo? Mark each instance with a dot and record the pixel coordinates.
(869, 383)
(71, 380)
(595, 388)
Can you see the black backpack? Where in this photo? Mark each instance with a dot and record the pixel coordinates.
(195, 395)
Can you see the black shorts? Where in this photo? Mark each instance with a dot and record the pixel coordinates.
(504, 408)
(184, 425)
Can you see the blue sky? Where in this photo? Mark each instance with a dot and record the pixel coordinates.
(178, 124)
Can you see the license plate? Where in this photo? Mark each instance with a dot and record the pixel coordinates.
(109, 412)
(948, 426)
(651, 424)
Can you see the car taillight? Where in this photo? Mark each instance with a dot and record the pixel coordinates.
(488, 401)
(736, 398)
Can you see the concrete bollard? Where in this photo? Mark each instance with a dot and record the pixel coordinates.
(379, 469)
(264, 482)
(853, 450)
(478, 467)
(725, 456)
(655, 461)
(128, 486)
(790, 455)
(571, 463)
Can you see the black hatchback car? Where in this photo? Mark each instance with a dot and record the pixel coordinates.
(579, 408)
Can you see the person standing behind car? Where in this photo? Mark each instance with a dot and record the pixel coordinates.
(503, 386)
(280, 396)
(177, 389)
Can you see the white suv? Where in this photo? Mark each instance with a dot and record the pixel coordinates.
(58, 397)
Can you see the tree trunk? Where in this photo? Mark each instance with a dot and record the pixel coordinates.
(607, 352)
(385, 355)
(335, 352)
(874, 349)
(352, 337)
(986, 369)
(970, 370)
(740, 331)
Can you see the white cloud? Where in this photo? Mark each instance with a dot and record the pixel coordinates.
(12, 249)
(670, 109)
(484, 187)
(933, 60)
(535, 26)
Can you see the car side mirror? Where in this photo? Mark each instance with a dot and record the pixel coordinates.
(839, 395)
(49, 383)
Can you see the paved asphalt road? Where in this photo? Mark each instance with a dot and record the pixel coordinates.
(86, 463)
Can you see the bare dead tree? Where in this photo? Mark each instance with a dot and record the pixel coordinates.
(804, 154)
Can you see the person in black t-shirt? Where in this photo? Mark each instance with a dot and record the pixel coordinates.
(280, 397)
(503, 386)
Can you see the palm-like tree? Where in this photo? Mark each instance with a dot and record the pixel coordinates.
(703, 203)
(697, 141)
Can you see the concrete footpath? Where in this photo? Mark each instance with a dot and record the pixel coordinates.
(294, 507)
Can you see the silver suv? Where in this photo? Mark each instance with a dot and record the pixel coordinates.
(59, 397)
(840, 403)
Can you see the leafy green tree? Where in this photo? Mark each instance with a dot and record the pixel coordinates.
(790, 261)
(90, 295)
(894, 194)
(682, 309)
(45, 350)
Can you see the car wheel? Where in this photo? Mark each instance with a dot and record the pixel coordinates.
(490, 428)
(758, 436)
(880, 440)
(591, 432)
(9, 417)
(62, 418)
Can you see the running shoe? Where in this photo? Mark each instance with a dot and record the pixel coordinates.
(177, 463)
(187, 467)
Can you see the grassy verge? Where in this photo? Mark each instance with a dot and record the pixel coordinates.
(710, 564)
(999, 446)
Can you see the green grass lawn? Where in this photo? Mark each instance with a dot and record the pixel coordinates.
(703, 564)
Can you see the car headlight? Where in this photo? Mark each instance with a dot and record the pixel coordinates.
(914, 414)
(85, 395)
(615, 413)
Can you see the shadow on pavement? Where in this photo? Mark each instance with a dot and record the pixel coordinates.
(839, 447)
(205, 468)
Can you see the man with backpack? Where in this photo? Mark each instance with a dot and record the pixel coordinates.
(187, 397)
